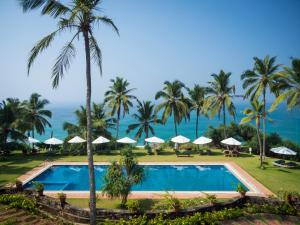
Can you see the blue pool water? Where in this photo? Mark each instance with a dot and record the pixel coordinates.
(158, 178)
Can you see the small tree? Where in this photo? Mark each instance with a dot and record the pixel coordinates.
(120, 177)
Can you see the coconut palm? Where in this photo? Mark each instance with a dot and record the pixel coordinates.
(197, 99)
(146, 116)
(119, 99)
(36, 114)
(255, 113)
(257, 81)
(174, 103)
(100, 123)
(290, 83)
(220, 97)
(11, 121)
(79, 17)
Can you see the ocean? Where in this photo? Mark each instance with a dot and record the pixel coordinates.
(285, 123)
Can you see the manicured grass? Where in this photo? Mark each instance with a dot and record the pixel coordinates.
(272, 177)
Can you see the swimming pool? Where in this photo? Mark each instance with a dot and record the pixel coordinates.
(210, 178)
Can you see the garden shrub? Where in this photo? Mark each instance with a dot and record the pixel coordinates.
(133, 206)
(18, 201)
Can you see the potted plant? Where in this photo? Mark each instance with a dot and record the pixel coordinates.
(39, 187)
(173, 202)
(19, 185)
(241, 189)
(62, 198)
(211, 199)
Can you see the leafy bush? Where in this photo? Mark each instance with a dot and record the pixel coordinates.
(133, 206)
(18, 201)
(170, 203)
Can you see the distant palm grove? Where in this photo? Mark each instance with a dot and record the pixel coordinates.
(21, 119)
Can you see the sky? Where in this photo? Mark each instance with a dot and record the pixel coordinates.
(159, 40)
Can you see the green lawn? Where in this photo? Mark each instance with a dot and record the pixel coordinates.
(272, 177)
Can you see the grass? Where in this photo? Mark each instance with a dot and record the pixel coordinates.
(272, 177)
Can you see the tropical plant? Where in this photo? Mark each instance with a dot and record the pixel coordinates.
(255, 114)
(120, 177)
(146, 116)
(36, 115)
(174, 103)
(220, 96)
(257, 81)
(80, 17)
(241, 189)
(11, 121)
(119, 99)
(101, 123)
(197, 99)
(290, 83)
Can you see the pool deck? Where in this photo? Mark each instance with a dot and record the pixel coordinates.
(255, 188)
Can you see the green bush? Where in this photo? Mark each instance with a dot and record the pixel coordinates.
(18, 201)
(133, 206)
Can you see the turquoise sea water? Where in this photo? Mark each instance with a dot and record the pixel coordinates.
(287, 124)
(157, 178)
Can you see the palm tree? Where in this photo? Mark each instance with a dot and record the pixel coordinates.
(257, 81)
(80, 17)
(220, 97)
(145, 116)
(36, 114)
(11, 121)
(197, 99)
(290, 83)
(119, 99)
(255, 114)
(174, 103)
(100, 122)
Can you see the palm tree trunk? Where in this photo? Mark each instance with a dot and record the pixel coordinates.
(175, 126)
(264, 124)
(197, 119)
(224, 119)
(118, 125)
(89, 132)
(259, 143)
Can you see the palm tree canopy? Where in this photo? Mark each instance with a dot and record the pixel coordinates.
(145, 116)
(174, 103)
(101, 123)
(220, 92)
(36, 114)
(263, 75)
(290, 86)
(197, 97)
(79, 17)
(119, 96)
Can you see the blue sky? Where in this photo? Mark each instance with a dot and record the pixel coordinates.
(159, 40)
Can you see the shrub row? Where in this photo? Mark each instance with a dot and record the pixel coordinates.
(18, 201)
(211, 218)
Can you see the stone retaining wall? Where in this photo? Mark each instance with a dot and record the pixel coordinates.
(52, 206)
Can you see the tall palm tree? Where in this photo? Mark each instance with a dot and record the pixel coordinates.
(174, 103)
(119, 99)
(146, 116)
(197, 99)
(80, 17)
(255, 113)
(290, 83)
(36, 114)
(257, 81)
(220, 96)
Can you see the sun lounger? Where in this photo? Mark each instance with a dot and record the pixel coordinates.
(226, 153)
(283, 164)
(235, 153)
(182, 154)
